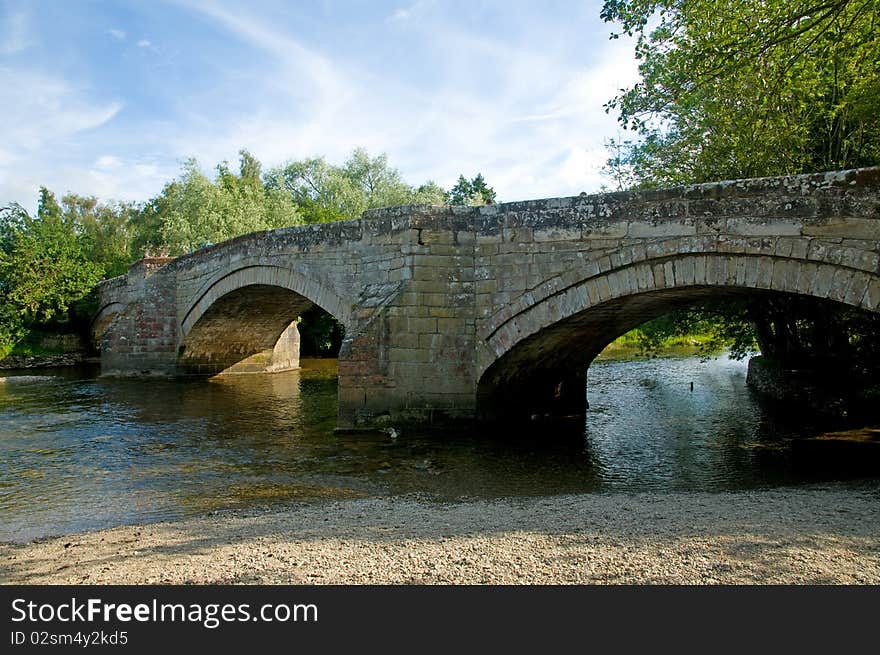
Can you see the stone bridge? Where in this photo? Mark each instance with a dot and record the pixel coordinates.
(455, 312)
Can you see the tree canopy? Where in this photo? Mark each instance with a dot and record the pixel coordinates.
(324, 192)
(746, 89)
(44, 265)
(192, 211)
(51, 261)
(471, 192)
(733, 89)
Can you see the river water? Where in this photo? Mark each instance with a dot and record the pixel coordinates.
(79, 453)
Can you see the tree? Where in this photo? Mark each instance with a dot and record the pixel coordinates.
(193, 211)
(316, 188)
(733, 90)
(430, 193)
(744, 89)
(44, 267)
(13, 220)
(471, 192)
(374, 182)
(107, 231)
(323, 192)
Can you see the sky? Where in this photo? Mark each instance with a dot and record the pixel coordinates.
(108, 99)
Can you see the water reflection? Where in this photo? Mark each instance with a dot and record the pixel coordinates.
(77, 452)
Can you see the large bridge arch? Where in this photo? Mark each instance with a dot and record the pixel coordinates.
(542, 350)
(244, 320)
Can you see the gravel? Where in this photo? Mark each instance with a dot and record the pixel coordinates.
(814, 535)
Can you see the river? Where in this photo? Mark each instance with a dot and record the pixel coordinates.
(78, 452)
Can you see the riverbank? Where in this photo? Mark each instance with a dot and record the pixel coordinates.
(38, 349)
(815, 535)
(628, 347)
(17, 362)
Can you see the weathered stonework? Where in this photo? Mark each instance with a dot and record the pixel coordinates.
(451, 311)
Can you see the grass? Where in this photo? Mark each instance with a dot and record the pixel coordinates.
(629, 346)
(35, 344)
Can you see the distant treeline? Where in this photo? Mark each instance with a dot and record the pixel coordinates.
(51, 262)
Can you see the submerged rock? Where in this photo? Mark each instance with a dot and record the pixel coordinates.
(25, 378)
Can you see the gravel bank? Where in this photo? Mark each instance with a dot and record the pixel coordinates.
(827, 535)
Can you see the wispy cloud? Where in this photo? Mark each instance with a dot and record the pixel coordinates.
(442, 95)
(410, 12)
(300, 62)
(48, 114)
(47, 110)
(108, 162)
(431, 132)
(15, 34)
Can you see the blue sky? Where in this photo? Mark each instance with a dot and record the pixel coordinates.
(109, 98)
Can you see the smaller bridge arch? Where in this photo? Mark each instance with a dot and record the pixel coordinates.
(264, 275)
(244, 320)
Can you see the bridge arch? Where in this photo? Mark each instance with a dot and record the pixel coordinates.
(245, 320)
(263, 275)
(102, 319)
(540, 349)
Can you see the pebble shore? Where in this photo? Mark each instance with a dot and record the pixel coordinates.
(814, 535)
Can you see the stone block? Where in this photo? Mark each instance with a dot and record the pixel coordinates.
(764, 273)
(700, 275)
(645, 230)
(857, 288)
(840, 284)
(422, 325)
(409, 355)
(556, 234)
(871, 299)
(608, 231)
(763, 227)
(822, 282)
(849, 227)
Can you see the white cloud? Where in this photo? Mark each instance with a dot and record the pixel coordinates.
(14, 36)
(525, 111)
(47, 110)
(533, 124)
(37, 129)
(582, 166)
(411, 12)
(108, 162)
(126, 180)
(117, 33)
(312, 105)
